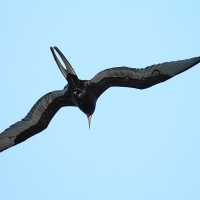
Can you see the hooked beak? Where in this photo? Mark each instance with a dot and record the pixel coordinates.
(89, 120)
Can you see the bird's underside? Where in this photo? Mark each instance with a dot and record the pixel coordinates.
(84, 93)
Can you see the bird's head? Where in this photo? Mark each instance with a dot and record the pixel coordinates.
(88, 108)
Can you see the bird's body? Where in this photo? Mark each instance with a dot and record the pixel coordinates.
(84, 94)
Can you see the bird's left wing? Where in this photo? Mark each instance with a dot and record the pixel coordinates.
(37, 119)
(139, 78)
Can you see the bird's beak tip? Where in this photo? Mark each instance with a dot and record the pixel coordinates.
(89, 120)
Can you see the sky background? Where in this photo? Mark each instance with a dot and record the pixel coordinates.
(143, 144)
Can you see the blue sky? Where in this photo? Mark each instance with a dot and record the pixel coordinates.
(143, 144)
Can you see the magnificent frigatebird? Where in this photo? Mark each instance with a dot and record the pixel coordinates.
(84, 93)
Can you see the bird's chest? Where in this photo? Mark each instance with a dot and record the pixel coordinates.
(79, 96)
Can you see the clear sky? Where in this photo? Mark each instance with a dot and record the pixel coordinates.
(143, 144)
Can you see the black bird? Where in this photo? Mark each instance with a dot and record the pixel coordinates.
(84, 94)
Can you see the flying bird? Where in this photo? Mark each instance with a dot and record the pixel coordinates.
(84, 93)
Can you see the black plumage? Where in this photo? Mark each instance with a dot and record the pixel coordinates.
(84, 93)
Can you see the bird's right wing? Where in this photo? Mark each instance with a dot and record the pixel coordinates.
(37, 119)
(139, 78)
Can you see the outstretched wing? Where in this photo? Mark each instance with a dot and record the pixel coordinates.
(139, 78)
(36, 120)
